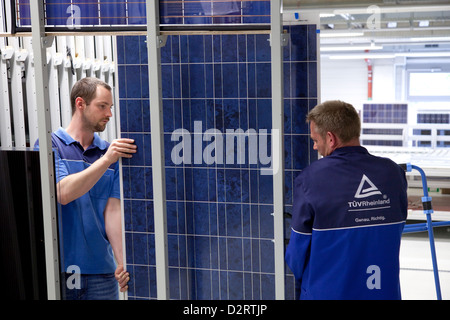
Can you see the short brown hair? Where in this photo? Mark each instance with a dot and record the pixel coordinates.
(86, 88)
(337, 117)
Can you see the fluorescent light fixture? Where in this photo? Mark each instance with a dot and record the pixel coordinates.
(387, 55)
(351, 48)
(392, 24)
(347, 16)
(431, 39)
(424, 23)
(340, 34)
(362, 56)
(327, 15)
(424, 54)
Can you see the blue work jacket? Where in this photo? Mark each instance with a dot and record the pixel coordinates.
(349, 210)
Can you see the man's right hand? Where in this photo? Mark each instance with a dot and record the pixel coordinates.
(120, 148)
(75, 185)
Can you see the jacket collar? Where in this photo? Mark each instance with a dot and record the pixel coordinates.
(353, 149)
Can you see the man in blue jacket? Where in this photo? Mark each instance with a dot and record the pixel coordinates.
(348, 214)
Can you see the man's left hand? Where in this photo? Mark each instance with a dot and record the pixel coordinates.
(122, 277)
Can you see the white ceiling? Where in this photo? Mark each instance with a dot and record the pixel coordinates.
(398, 26)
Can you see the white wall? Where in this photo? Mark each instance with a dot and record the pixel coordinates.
(344, 80)
(347, 80)
(383, 80)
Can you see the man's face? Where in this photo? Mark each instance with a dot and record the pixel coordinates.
(98, 112)
(320, 143)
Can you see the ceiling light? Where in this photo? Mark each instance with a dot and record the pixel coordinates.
(424, 23)
(392, 24)
(350, 48)
(431, 39)
(326, 15)
(424, 54)
(362, 56)
(341, 34)
(386, 55)
(347, 16)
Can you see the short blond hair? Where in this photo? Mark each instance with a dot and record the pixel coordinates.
(338, 117)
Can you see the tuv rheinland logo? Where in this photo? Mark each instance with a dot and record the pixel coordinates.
(366, 192)
(367, 189)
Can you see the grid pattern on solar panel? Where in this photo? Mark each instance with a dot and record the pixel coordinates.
(73, 13)
(219, 215)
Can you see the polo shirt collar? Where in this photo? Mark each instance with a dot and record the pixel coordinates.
(99, 142)
(67, 139)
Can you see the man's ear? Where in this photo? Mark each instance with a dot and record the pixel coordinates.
(80, 103)
(332, 140)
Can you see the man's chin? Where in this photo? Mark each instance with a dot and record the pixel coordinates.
(100, 128)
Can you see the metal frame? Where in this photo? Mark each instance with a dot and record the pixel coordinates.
(64, 85)
(40, 43)
(154, 42)
(17, 97)
(5, 115)
(30, 92)
(276, 42)
(124, 295)
(142, 28)
(54, 60)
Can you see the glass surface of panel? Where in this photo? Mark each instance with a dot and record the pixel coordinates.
(92, 13)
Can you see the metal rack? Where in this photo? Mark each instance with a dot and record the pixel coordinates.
(42, 38)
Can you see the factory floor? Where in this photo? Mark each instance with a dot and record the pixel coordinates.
(416, 269)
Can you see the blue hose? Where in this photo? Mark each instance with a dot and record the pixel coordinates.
(419, 227)
(427, 209)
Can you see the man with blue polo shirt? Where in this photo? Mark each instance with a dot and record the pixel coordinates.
(349, 210)
(87, 172)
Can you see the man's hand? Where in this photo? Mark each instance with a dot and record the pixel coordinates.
(122, 278)
(120, 148)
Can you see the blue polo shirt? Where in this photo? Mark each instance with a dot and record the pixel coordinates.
(348, 215)
(84, 239)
